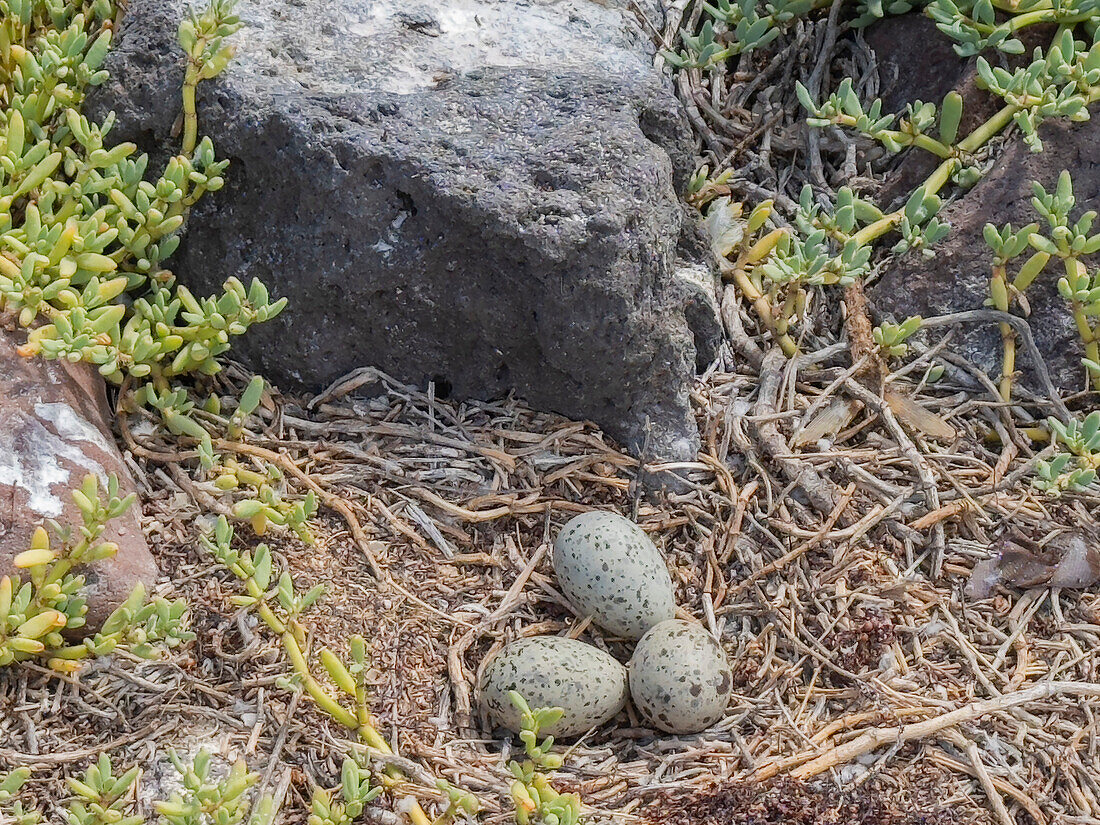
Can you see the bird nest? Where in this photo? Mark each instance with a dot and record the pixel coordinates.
(867, 690)
(870, 685)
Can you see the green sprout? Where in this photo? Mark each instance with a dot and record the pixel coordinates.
(1062, 82)
(209, 801)
(279, 605)
(84, 231)
(1075, 467)
(844, 108)
(102, 798)
(1069, 240)
(10, 784)
(459, 801)
(702, 188)
(741, 245)
(891, 338)
(536, 801)
(355, 793)
(735, 28)
(974, 27)
(1064, 239)
(700, 51)
(1007, 244)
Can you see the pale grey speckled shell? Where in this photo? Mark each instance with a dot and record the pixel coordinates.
(609, 569)
(551, 671)
(680, 679)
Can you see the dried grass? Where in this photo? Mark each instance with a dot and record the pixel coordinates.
(848, 657)
(868, 690)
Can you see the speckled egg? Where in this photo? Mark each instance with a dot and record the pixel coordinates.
(551, 671)
(610, 570)
(679, 677)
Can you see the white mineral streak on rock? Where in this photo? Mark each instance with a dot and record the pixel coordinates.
(31, 456)
(71, 426)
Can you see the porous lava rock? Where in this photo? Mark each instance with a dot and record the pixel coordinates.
(480, 193)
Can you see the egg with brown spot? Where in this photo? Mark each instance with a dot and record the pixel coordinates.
(609, 569)
(679, 677)
(552, 671)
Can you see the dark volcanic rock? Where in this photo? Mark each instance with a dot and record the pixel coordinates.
(917, 62)
(54, 432)
(957, 278)
(915, 65)
(478, 192)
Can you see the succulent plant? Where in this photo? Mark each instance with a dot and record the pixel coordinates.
(735, 28)
(892, 337)
(85, 230)
(36, 612)
(99, 796)
(278, 604)
(537, 801)
(1075, 466)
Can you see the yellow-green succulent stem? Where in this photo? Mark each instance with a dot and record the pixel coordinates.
(1039, 16)
(70, 652)
(939, 178)
(932, 185)
(358, 722)
(322, 697)
(62, 566)
(1073, 269)
(1014, 5)
(1089, 336)
(190, 113)
(1000, 297)
(988, 130)
(930, 144)
(762, 307)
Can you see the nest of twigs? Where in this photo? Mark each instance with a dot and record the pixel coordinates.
(869, 689)
(852, 665)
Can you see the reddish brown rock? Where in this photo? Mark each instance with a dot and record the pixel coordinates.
(53, 432)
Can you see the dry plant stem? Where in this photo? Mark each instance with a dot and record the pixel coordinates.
(740, 340)
(1008, 338)
(909, 450)
(18, 758)
(828, 44)
(991, 791)
(1025, 801)
(877, 737)
(328, 499)
(798, 471)
(1020, 326)
(336, 503)
(805, 547)
(861, 339)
